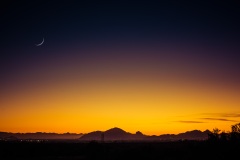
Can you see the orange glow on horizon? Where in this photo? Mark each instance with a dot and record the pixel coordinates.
(100, 97)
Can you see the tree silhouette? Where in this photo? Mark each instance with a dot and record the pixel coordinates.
(214, 135)
(224, 136)
(235, 134)
(236, 128)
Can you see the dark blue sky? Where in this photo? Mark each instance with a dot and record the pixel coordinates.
(210, 25)
(71, 21)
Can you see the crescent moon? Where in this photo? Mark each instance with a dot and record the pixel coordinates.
(40, 43)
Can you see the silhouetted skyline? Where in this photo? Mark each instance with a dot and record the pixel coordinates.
(112, 134)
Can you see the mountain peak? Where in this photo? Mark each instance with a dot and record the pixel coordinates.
(115, 130)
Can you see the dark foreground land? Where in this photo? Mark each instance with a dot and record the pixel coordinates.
(187, 150)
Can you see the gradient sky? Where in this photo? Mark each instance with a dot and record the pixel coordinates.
(159, 68)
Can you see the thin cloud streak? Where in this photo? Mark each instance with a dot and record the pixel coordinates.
(236, 115)
(219, 119)
(190, 122)
(233, 115)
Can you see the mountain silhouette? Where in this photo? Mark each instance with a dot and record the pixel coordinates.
(117, 134)
(39, 135)
(195, 134)
(115, 130)
(189, 135)
(113, 134)
(95, 136)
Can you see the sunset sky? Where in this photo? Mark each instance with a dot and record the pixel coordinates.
(158, 68)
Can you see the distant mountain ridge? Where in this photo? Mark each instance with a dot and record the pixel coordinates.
(38, 135)
(113, 134)
(117, 134)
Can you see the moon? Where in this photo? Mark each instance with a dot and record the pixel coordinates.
(40, 43)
